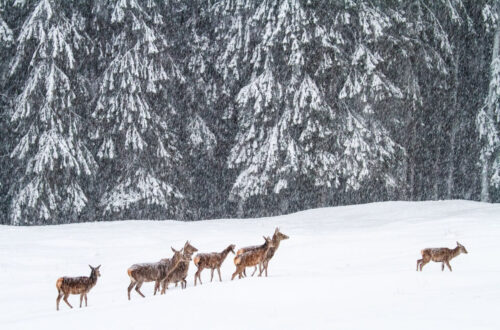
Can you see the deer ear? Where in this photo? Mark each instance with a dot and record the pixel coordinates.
(98, 267)
(173, 249)
(277, 230)
(91, 267)
(458, 244)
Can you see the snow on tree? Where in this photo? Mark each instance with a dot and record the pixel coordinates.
(422, 43)
(5, 33)
(135, 115)
(291, 135)
(52, 158)
(488, 118)
(6, 41)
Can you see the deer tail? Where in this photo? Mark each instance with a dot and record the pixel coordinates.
(129, 272)
(59, 284)
(196, 261)
(237, 260)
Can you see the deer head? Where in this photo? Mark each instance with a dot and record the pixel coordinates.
(231, 248)
(462, 248)
(179, 256)
(279, 235)
(95, 270)
(189, 249)
(268, 241)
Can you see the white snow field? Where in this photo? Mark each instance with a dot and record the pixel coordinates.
(347, 267)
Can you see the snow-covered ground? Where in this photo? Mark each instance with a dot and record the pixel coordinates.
(342, 268)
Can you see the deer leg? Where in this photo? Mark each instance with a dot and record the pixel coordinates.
(138, 289)
(198, 275)
(264, 268)
(218, 271)
(265, 265)
(238, 271)
(184, 283)
(85, 300)
(157, 287)
(66, 295)
(442, 266)
(81, 299)
(164, 286)
(245, 272)
(59, 296)
(423, 263)
(419, 261)
(211, 274)
(255, 270)
(448, 264)
(130, 287)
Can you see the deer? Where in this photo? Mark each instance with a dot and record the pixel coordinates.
(443, 255)
(152, 272)
(76, 285)
(252, 258)
(277, 238)
(211, 261)
(181, 271)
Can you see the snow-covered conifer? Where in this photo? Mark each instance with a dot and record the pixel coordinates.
(292, 134)
(488, 118)
(135, 111)
(53, 163)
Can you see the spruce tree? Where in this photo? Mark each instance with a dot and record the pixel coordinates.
(296, 141)
(53, 164)
(488, 118)
(135, 113)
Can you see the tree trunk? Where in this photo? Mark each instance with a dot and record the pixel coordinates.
(451, 164)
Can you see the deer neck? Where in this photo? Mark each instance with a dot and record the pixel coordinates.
(455, 252)
(266, 247)
(188, 254)
(93, 278)
(276, 242)
(173, 266)
(224, 254)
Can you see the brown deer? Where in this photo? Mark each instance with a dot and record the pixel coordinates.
(181, 271)
(277, 238)
(152, 272)
(212, 261)
(252, 258)
(443, 255)
(76, 285)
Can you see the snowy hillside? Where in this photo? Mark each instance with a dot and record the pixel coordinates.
(346, 268)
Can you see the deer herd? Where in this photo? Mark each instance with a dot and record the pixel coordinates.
(175, 269)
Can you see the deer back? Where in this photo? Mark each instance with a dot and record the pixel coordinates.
(148, 272)
(247, 249)
(209, 260)
(78, 285)
(254, 256)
